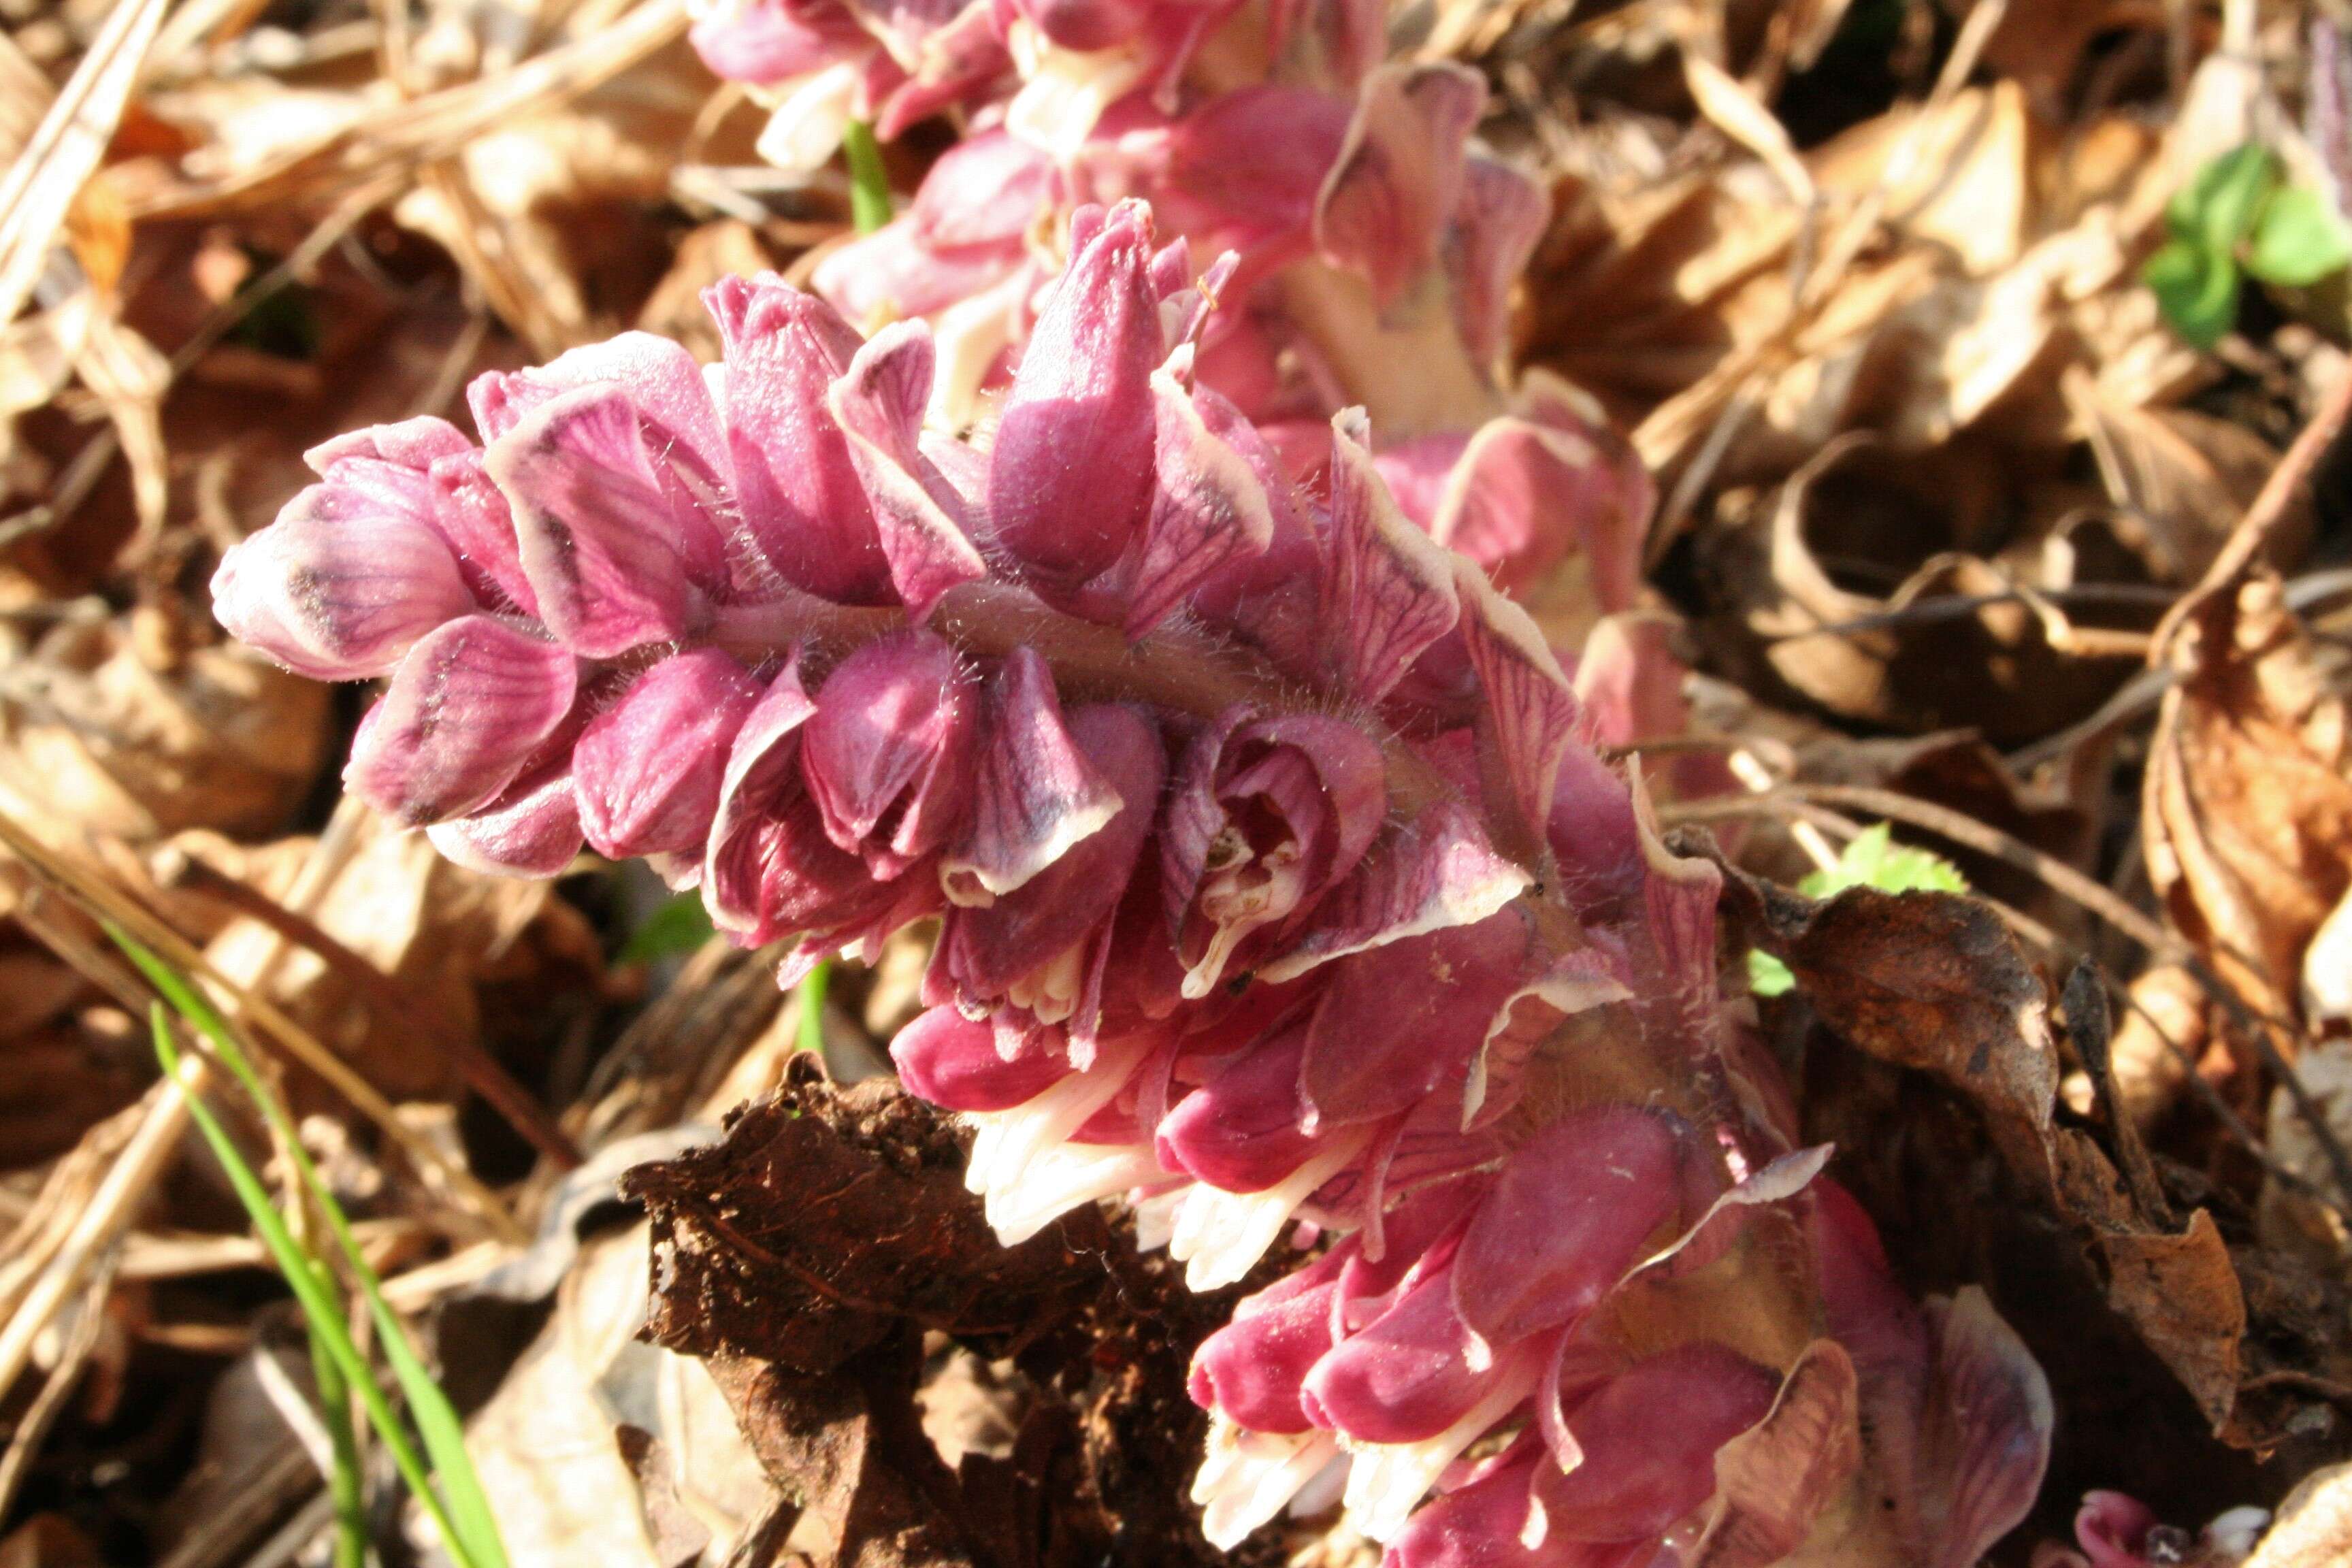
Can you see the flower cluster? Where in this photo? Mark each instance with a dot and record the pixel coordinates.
(1280, 888)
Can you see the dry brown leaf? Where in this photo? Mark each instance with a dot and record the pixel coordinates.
(548, 1445)
(1937, 983)
(102, 734)
(2179, 480)
(442, 934)
(2182, 1293)
(1862, 517)
(2247, 801)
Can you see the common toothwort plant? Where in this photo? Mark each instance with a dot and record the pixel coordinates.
(1281, 892)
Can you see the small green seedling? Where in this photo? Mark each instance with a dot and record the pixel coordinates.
(1871, 860)
(2238, 219)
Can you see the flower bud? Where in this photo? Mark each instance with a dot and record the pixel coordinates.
(647, 769)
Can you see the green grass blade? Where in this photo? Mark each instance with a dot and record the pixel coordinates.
(460, 1506)
(869, 180)
(306, 1276)
(348, 1484)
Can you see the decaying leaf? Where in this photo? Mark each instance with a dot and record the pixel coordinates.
(1936, 983)
(2248, 800)
(811, 1253)
(102, 730)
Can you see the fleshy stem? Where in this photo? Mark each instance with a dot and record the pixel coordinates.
(1173, 671)
(869, 180)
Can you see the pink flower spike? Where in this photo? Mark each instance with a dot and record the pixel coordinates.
(1396, 1025)
(1209, 510)
(475, 518)
(345, 581)
(468, 707)
(663, 384)
(889, 757)
(1086, 24)
(1391, 589)
(1568, 1217)
(766, 41)
(1436, 872)
(647, 768)
(1531, 707)
(615, 558)
(768, 870)
(1404, 1396)
(1398, 179)
(1239, 1132)
(986, 189)
(531, 830)
(1070, 479)
(1267, 814)
(798, 490)
(919, 518)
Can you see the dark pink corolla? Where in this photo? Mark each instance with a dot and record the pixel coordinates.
(1279, 890)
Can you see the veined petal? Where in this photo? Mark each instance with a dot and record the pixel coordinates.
(950, 1060)
(531, 830)
(1248, 1477)
(1566, 1217)
(1391, 589)
(647, 769)
(801, 497)
(1393, 1026)
(921, 520)
(337, 589)
(1219, 1237)
(1209, 510)
(1070, 477)
(888, 756)
(1036, 793)
(761, 777)
(1062, 1178)
(1387, 1479)
(475, 519)
(1529, 703)
(1436, 871)
(1267, 815)
(663, 383)
(1494, 228)
(468, 707)
(1648, 1439)
(604, 541)
(1398, 178)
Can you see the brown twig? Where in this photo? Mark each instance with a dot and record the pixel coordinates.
(2270, 506)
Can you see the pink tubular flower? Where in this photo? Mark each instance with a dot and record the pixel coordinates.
(1279, 890)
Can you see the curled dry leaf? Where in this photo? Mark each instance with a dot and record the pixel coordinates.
(1830, 593)
(2248, 799)
(1936, 983)
(102, 732)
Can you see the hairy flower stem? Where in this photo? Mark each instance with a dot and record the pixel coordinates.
(1091, 662)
